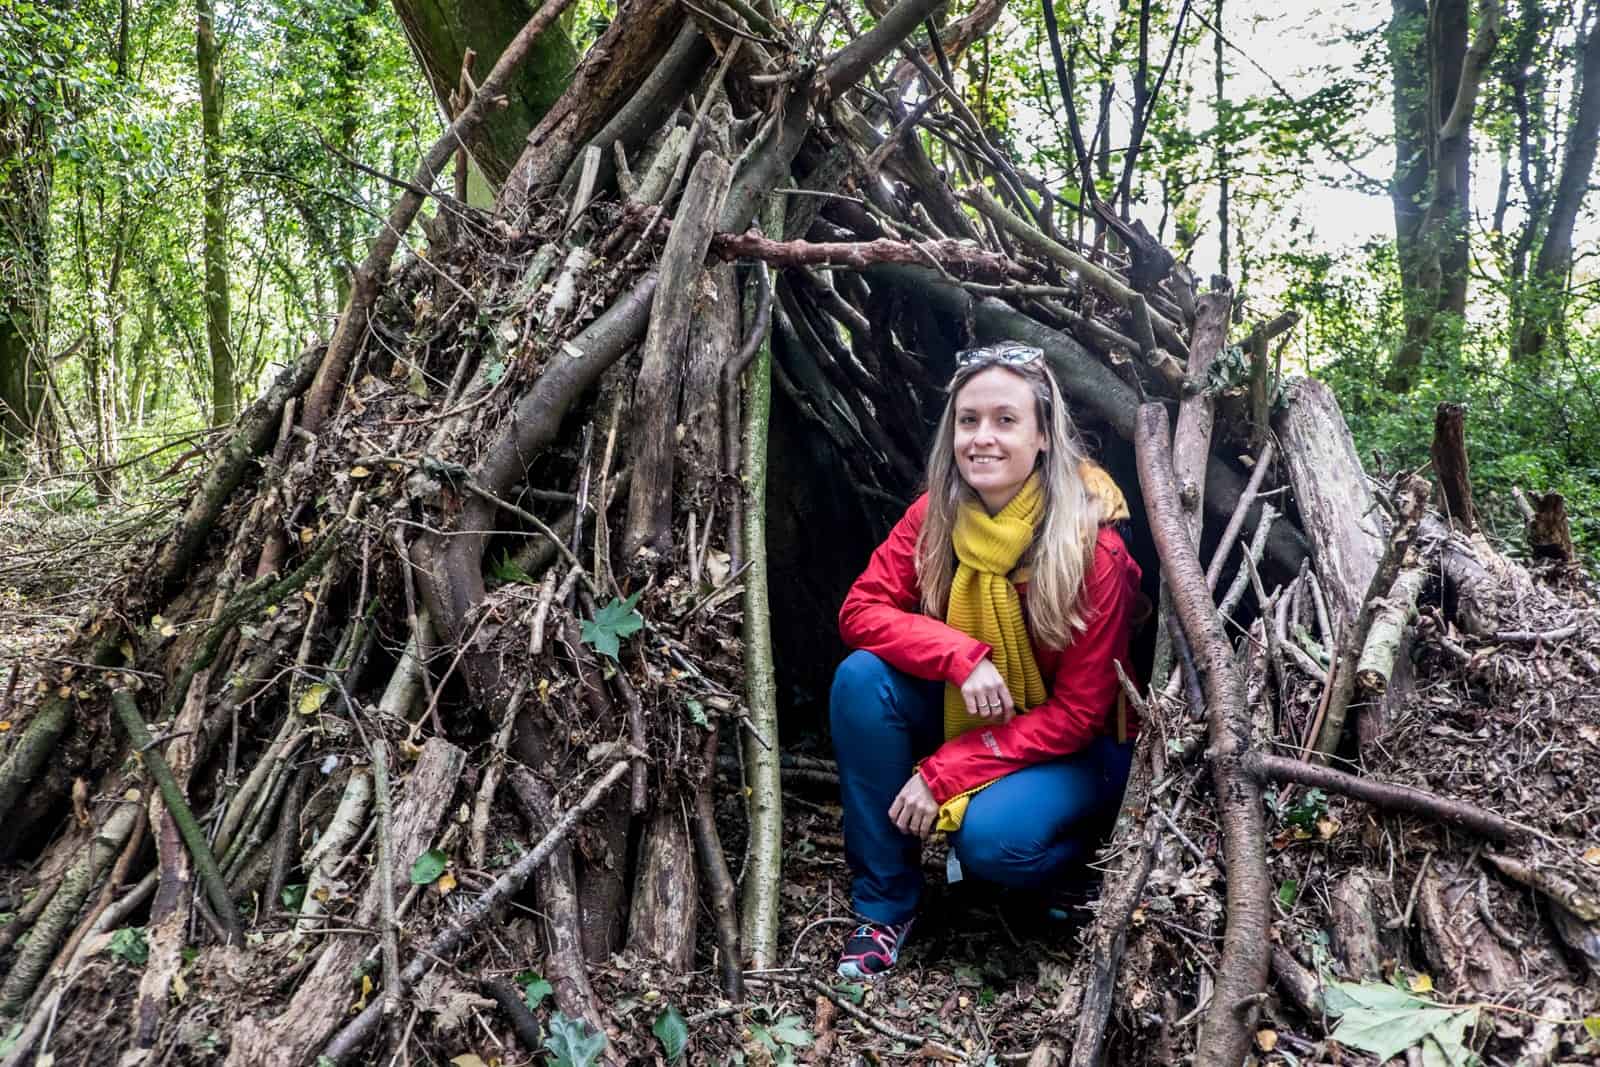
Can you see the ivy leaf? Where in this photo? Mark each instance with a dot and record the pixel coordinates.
(314, 697)
(697, 712)
(611, 623)
(673, 1032)
(428, 867)
(293, 896)
(1288, 892)
(856, 991)
(1386, 1021)
(505, 569)
(534, 990)
(129, 944)
(493, 373)
(572, 1043)
(791, 1031)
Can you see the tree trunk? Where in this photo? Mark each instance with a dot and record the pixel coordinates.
(1408, 50)
(224, 390)
(1439, 249)
(25, 180)
(1544, 305)
(441, 32)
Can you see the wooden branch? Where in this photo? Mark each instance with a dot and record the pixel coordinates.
(719, 885)
(851, 63)
(761, 904)
(1388, 631)
(1411, 499)
(959, 258)
(389, 929)
(1472, 70)
(172, 796)
(1242, 972)
(1389, 796)
(1230, 533)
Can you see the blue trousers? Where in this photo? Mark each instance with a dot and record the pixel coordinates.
(1023, 831)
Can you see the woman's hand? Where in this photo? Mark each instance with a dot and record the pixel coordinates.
(986, 694)
(914, 810)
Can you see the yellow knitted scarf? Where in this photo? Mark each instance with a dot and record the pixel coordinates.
(985, 605)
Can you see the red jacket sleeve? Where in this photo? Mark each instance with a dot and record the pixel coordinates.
(883, 612)
(1082, 694)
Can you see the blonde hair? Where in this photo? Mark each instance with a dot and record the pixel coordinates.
(1063, 541)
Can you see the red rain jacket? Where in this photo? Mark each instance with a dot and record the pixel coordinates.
(883, 615)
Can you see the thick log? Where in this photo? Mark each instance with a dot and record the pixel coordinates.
(556, 882)
(666, 902)
(1450, 465)
(323, 997)
(1338, 512)
(713, 341)
(661, 368)
(1242, 973)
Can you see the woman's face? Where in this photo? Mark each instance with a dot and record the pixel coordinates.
(998, 437)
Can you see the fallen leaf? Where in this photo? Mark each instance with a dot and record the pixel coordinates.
(307, 535)
(1591, 856)
(313, 698)
(446, 884)
(468, 1059)
(366, 991)
(362, 472)
(1421, 983)
(180, 988)
(1267, 1040)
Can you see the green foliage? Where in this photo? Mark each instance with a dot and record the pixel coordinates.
(573, 1043)
(1385, 1021)
(783, 1038)
(534, 989)
(672, 1032)
(611, 623)
(428, 867)
(129, 944)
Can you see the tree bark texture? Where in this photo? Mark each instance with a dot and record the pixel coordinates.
(441, 32)
(1451, 466)
(1242, 973)
(1544, 307)
(1338, 512)
(26, 173)
(224, 389)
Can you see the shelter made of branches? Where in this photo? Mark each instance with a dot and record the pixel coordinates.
(567, 492)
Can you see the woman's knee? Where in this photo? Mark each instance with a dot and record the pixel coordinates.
(999, 844)
(861, 685)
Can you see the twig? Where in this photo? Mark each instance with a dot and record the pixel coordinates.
(390, 930)
(1230, 533)
(445, 944)
(193, 837)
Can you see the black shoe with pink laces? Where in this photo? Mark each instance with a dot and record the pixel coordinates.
(873, 949)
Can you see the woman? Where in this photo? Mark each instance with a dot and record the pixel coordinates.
(986, 628)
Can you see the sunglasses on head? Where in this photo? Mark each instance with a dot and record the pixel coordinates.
(1008, 353)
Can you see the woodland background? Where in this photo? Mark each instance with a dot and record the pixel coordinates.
(187, 187)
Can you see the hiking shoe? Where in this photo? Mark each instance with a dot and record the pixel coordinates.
(873, 949)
